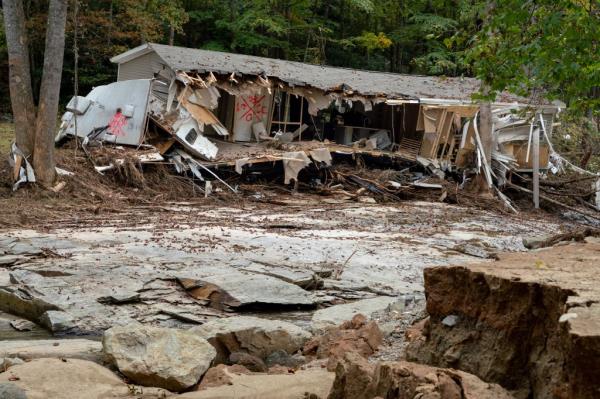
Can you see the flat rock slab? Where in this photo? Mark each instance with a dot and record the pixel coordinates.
(259, 337)
(69, 379)
(337, 314)
(247, 290)
(84, 349)
(112, 257)
(303, 384)
(158, 357)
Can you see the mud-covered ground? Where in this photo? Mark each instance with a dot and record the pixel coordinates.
(354, 250)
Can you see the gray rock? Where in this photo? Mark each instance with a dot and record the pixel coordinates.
(259, 337)
(84, 349)
(536, 242)
(249, 361)
(159, 357)
(57, 321)
(282, 358)
(24, 248)
(236, 290)
(8, 260)
(8, 362)
(11, 391)
(22, 325)
(25, 303)
(120, 298)
(336, 315)
(450, 320)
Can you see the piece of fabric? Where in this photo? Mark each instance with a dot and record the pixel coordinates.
(293, 163)
(239, 165)
(321, 155)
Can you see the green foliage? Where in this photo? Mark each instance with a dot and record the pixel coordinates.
(523, 46)
(546, 46)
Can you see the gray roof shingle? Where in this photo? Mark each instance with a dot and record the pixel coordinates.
(327, 78)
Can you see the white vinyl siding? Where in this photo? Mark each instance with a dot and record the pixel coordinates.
(142, 67)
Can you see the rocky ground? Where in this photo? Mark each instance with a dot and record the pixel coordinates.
(245, 298)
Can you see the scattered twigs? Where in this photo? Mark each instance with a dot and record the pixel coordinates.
(340, 270)
(548, 199)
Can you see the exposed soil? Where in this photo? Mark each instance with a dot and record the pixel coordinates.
(530, 322)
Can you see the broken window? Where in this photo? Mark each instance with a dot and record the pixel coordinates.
(288, 113)
(191, 136)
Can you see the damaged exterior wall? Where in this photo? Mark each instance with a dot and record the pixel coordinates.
(98, 112)
(188, 85)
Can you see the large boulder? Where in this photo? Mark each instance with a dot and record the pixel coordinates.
(159, 357)
(356, 378)
(67, 379)
(258, 337)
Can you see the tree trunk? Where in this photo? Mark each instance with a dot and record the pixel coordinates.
(43, 159)
(171, 35)
(19, 76)
(485, 130)
(487, 142)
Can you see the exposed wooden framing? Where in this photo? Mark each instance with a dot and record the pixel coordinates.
(285, 122)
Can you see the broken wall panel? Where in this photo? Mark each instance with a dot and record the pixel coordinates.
(249, 111)
(125, 127)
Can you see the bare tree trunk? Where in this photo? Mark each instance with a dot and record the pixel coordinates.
(485, 130)
(171, 35)
(19, 76)
(43, 159)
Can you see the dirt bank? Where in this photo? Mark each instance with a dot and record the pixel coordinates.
(530, 322)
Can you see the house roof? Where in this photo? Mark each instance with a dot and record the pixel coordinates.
(327, 78)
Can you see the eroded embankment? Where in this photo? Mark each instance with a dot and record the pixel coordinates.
(530, 322)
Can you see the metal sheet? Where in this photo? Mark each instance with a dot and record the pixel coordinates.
(131, 96)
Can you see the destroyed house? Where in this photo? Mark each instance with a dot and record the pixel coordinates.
(229, 109)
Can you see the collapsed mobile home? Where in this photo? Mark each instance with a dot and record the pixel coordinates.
(205, 110)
